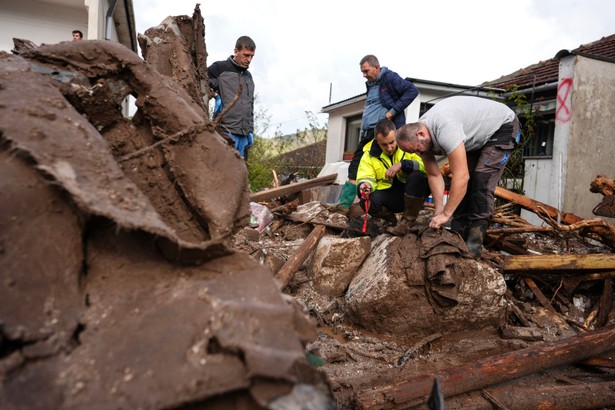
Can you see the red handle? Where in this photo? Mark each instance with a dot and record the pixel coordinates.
(365, 197)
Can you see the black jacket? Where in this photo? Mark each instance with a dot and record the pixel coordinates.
(225, 77)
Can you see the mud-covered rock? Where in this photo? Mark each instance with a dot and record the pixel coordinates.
(408, 290)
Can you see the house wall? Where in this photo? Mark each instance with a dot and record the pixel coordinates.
(40, 22)
(537, 186)
(583, 142)
(544, 178)
(591, 145)
(336, 129)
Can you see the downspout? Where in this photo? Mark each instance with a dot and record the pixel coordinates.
(131, 24)
(109, 20)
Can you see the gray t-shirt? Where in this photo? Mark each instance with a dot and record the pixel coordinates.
(463, 119)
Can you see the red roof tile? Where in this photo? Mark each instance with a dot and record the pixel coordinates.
(547, 71)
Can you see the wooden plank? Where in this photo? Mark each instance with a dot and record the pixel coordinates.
(560, 262)
(539, 295)
(489, 371)
(287, 271)
(292, 188)
(605, 304)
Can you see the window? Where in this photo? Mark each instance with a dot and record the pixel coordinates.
(353, 132)
(541, 145)
(424, 108)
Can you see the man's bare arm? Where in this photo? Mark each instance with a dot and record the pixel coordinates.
(459, 185)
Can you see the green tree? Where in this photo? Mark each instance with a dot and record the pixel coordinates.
(265, 156)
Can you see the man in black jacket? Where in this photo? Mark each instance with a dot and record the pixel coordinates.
(225, 78)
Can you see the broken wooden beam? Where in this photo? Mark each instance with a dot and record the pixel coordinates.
(292, 188)
(489, 371)
(552, 262)
(534, 206)
(539, 295)
(287, 271)
(598, 227)
(602, 185)
(605, 304)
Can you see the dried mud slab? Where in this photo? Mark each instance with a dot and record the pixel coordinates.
(176, 48)
(110, 297)
(41, 255)
(168, 117)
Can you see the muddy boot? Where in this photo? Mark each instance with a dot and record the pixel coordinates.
(388, 216)
(412, 207)
(476, 233)
(355, 210)
(349, 192)
(460, 226)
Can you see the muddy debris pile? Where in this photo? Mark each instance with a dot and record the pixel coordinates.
(395, 313)
(119, 288)
(134, 276)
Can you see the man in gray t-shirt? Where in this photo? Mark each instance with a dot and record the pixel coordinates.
(477, 135)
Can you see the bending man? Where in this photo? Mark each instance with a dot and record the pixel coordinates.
(477, 135)
(394, 180)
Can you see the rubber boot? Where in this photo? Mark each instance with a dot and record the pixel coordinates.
(460, 226)
(476, 234)
(388, 216)
(349, 192)
(412, 207)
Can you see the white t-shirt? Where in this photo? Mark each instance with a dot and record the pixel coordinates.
(463, 119)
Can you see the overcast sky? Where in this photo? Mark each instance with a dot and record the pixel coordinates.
(303, 47)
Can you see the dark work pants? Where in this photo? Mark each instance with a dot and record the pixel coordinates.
(486, 166)
(366, 137)
(393, 198)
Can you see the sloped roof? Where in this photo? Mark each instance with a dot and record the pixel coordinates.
(547, 71)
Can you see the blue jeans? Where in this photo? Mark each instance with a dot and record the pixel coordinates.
(242, 142)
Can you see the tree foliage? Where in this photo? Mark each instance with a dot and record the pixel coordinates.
(266, 155)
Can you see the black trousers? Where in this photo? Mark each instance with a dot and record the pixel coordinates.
(366, 137)
(393, 198)
(486, 166)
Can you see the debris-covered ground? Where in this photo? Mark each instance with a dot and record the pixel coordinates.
(129, 280)
(395, 335)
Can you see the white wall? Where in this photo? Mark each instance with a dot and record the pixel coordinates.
(591, 143)
(583, 144)
(537, 185)
(39, 22)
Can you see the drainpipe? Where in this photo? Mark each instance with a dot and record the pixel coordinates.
(544, 87)
(109, 20)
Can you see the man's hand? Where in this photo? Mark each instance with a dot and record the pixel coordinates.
(365, 189)
(393, 170)
(388, 116)
(439, 220)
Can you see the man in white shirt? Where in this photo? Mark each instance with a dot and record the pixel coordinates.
(477, 135)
